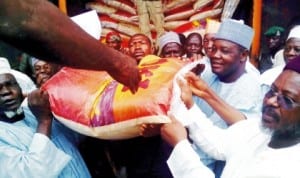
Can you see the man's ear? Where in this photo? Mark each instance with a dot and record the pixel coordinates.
(244, 55)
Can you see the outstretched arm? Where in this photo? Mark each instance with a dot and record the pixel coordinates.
(183, 161)
(228, 113)
(38, 28)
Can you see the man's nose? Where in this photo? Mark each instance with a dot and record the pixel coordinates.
(272, 101)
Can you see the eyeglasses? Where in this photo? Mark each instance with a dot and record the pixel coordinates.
(284, 101)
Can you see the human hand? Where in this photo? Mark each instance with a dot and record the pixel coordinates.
(149, 130)
(38, 102)
(198, 69)
(186, 93)
(127, 73)
(197, 85)
(173, 132)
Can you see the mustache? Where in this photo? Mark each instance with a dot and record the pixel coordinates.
(268, 110)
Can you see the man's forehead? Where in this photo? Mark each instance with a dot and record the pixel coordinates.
(138, 37)
(193, 39)
(172, 45)
(225, 42)
(288, 80)
(40, 63)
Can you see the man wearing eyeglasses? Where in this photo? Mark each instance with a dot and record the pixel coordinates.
(268, 147)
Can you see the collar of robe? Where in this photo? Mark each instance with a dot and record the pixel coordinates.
(12, 116)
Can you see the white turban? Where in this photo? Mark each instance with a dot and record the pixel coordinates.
(4, 66)
(294, 32)
(26, 84)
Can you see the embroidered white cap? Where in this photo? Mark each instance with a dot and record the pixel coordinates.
(236, 32)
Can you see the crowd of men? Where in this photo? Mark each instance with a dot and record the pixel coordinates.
(235, 120)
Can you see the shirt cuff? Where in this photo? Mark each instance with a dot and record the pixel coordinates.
(195, 114)
(182, 153)
(39, 142)
(185, 163)
(42, 146)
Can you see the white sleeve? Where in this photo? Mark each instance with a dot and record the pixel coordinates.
(215, 141)
(184, 162)
(42, 159)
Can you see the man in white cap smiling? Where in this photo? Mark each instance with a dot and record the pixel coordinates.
(257, 148)
(228, 84)
(211, 29)
(43, 70)
(32, 143)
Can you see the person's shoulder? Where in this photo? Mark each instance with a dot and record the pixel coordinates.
(279, 58)
(249, 78)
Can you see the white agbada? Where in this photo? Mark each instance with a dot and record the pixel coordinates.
(244, 146)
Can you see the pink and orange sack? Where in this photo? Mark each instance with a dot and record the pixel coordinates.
(93, 104)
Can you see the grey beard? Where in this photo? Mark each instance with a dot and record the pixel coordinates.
(291, 131)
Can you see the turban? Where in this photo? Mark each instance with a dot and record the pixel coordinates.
(4, 66)
(294, 33)
(236, 32)
(293, 65)
(23, 80)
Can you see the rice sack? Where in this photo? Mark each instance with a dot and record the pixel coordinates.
(93, 104)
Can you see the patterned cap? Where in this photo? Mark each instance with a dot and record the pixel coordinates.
(236, 32)
(168, 37)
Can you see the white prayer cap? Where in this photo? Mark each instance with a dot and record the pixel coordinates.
(4, 66)
(294, 32)
(236, 32)
(168, 37)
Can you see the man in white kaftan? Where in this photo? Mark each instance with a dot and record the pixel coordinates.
(252, 148)
(243, 92)
(34, 147)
